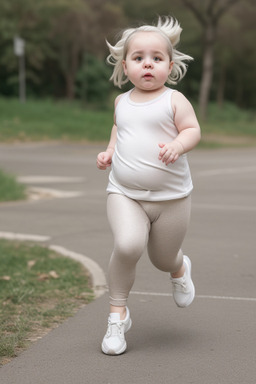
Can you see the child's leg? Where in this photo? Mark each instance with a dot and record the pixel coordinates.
(130, 226)
(167, 233)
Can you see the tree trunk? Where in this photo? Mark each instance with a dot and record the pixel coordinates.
(207, 71)
(221, 86)
(239, 92)
(71, 72)
(70, 88)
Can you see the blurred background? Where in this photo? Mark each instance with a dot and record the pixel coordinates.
(53, 64)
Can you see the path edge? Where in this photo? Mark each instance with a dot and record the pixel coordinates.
(96, 273)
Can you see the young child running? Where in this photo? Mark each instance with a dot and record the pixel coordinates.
(150, 183)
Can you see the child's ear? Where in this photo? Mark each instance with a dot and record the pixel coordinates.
(170, 66)
(124, 67)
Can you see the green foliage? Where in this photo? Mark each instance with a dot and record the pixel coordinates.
(228, 126)
(60, 34)
(29, 20)
(93, 84)
(51, 120)
(42, 120)
(57, 34)
(230, 113)
(10, 189)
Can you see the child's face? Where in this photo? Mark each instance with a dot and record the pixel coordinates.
(147, 63)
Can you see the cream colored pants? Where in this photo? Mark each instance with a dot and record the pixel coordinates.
(159, 226)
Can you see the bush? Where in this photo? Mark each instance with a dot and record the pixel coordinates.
(92, 83)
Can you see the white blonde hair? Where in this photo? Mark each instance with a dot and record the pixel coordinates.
(170, 29)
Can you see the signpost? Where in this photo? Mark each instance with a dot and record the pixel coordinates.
(19, 50)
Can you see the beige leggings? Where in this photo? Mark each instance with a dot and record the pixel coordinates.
(161, 226)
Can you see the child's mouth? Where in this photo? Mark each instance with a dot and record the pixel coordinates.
(148, 76)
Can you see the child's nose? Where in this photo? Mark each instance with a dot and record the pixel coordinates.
(148, 63)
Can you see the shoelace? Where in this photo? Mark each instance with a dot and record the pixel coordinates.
(179, 285)
(114, 328)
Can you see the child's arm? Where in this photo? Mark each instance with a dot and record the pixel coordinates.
(104, 159)
(188, 127)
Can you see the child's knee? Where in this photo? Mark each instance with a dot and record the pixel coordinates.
(129, 249)
(168, 263)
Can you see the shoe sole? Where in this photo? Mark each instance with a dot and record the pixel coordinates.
(111, 352)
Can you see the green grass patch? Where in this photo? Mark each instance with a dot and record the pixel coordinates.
(229, 120)
(38, 289)
(60, 120)
(49, 120)
(10, 189)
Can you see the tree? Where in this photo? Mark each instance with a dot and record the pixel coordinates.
(57, 33)
(92, 85)
(25, 19)
(88, 23)
(236, 58)
(208, 14)
(68, 32)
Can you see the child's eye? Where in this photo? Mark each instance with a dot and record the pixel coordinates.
(138, 58)
(157, 59)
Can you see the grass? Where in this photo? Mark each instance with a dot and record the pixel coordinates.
(38, 289)
(10, 189)
(229, 125)
(50, 120)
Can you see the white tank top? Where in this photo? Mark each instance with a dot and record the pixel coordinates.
(136, 170)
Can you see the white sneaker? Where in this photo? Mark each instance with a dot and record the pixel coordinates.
(183, 287)
(114, 341)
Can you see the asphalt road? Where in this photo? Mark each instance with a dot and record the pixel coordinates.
(211, 342)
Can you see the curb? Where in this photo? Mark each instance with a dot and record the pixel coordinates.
(97, 275)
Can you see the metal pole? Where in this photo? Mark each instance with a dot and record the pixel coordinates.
(19, 50)
(22, 78)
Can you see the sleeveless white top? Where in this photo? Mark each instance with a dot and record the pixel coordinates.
(136, 170)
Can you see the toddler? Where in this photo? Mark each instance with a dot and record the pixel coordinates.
(149, 189)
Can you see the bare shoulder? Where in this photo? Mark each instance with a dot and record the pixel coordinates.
(117, 99)
(184, 114)
(179, 100)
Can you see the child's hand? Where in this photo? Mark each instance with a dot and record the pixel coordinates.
(170, 152)
(104, 160)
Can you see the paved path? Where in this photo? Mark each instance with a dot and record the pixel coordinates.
(211, 342)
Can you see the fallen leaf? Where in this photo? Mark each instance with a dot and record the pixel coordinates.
(31, 263)
(43, 277)
(6, 278)
(53, 274)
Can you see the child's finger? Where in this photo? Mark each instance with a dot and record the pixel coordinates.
(163, 150)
